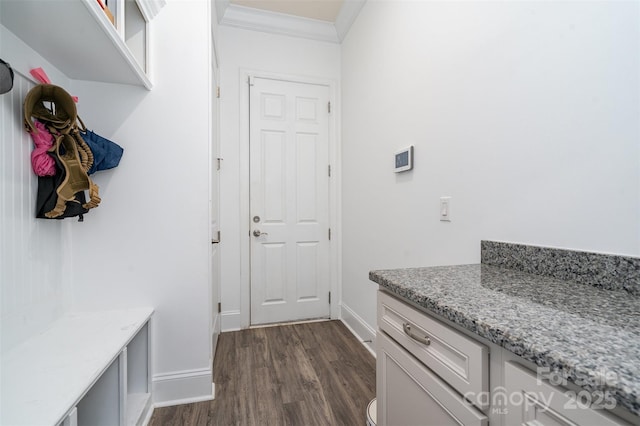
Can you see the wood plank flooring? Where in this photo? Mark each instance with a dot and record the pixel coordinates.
(303, 374)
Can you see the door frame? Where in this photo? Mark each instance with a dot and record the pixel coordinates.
(215, 278)
(335, 245)
(215, 319)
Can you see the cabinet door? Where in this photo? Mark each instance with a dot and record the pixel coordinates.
(533, 402)
(410, 394)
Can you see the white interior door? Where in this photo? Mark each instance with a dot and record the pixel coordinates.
(289, 197)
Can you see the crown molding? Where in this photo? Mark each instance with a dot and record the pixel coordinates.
(279, 23)
(347, 16)
(221, 7)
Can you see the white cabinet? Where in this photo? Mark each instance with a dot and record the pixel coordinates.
(122, 394)
(423, 370)
(77, 37)
(534, 402)
(408, 393)
(431, 374)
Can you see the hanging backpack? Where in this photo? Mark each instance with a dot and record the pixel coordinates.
(61, 195)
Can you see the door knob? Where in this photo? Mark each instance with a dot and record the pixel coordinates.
(257, 233)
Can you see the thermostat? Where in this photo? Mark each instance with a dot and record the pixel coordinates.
(404, 160)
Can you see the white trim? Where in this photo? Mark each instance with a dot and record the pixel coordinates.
(243, 177)
(334, 190)
(347, 16)
(217, 321)
(183, 401)
(147, 417)
(150, 8)
(335, 200)
(213, 304)
(221, 7)
(279, 23)
(281, 324)
(215, 334)
(359, 327)
(182, 387)
(230, 321)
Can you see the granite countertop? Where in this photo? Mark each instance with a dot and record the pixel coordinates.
(588, 335)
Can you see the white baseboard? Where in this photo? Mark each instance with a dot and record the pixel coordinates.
(182, 387)
(230, 321)
(363, 331)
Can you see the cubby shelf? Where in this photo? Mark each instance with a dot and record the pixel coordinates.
(77, 38)
(86, 368)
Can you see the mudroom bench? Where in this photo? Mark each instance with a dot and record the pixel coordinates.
(86, 368)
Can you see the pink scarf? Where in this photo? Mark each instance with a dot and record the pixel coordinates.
(42, 163)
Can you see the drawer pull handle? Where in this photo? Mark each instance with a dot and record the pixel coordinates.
(407, 329)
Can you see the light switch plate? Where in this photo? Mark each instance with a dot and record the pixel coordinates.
(445, 209)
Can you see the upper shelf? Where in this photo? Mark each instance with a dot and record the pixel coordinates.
(76, 37)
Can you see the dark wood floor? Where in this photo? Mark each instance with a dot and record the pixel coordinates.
(302, 374)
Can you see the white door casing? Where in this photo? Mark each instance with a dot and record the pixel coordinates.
(289, 200)
(214, 205)
(215, 217)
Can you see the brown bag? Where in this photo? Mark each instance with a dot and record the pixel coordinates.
(69, 149)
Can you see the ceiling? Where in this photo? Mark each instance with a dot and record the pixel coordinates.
(324, 20)
(322, 10)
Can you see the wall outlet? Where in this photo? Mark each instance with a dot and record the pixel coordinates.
(445, 209)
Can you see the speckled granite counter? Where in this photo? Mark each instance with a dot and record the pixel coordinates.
(581, 331)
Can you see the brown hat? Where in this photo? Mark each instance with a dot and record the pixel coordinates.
(65, 114)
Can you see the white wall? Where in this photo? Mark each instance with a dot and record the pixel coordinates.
(526, 113)
(148, 244)
(249, 50)
(34, 253)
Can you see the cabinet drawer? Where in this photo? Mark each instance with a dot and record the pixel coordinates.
(410, 394)
(531, 401)
(457, 359)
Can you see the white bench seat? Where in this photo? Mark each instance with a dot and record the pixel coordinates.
(45, 378)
